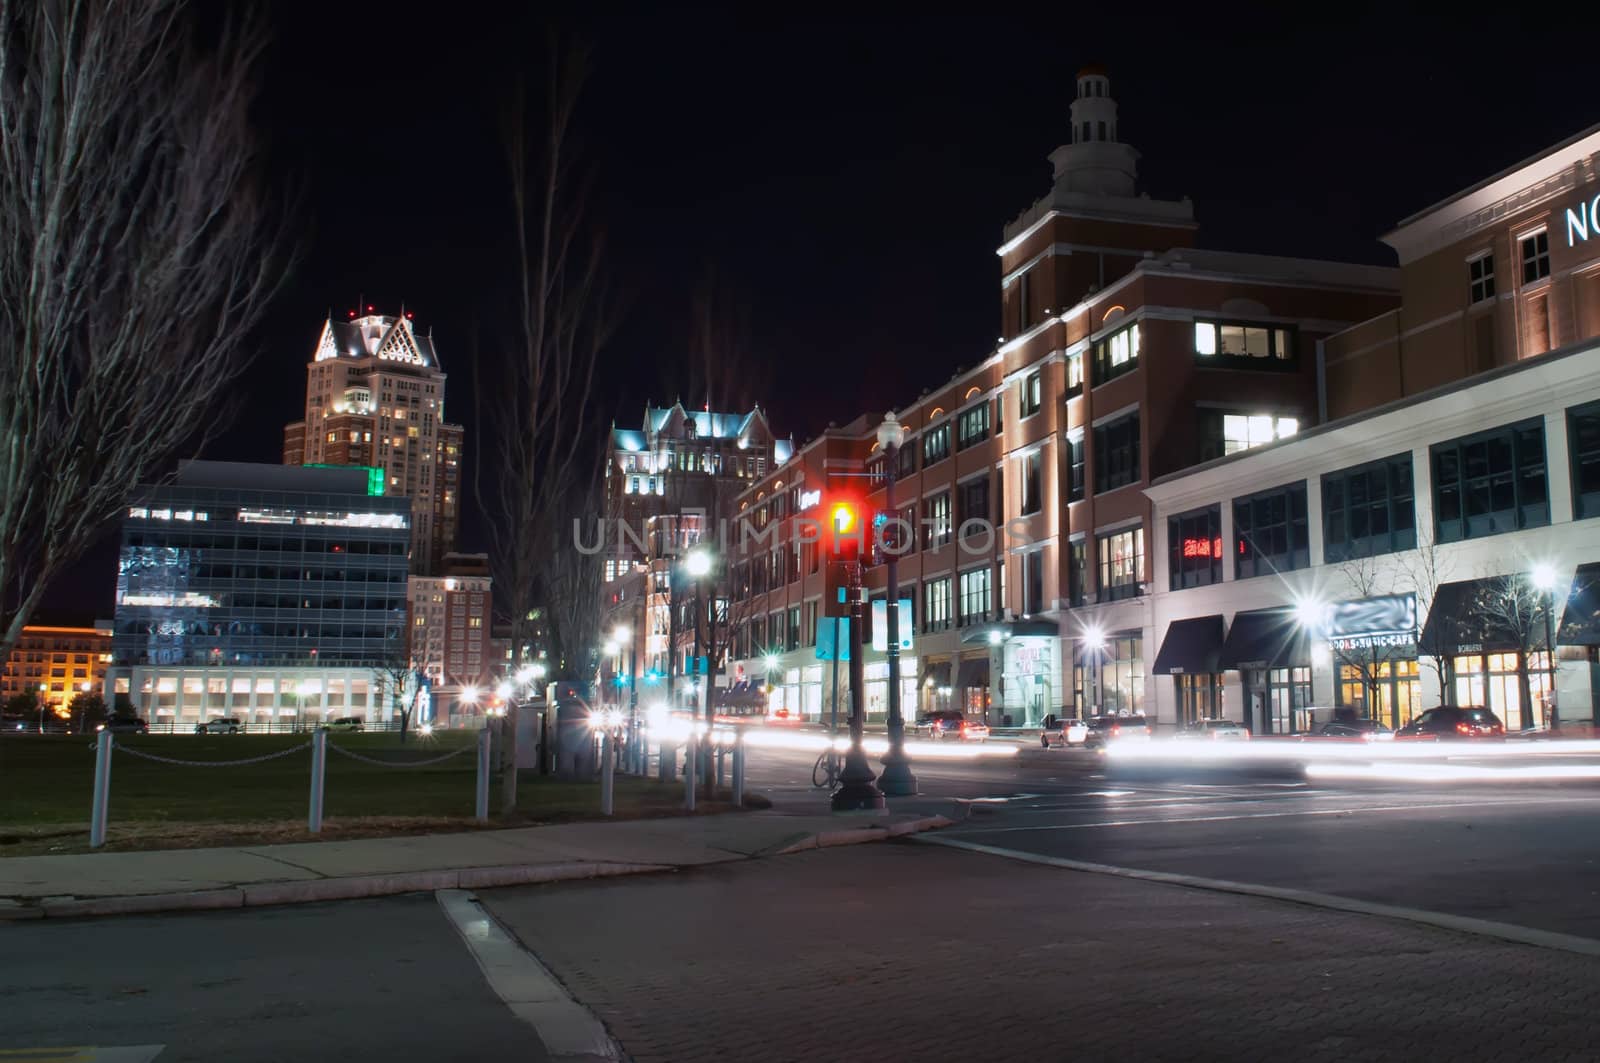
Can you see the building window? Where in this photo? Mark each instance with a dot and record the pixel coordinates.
(1074, 374)
(1480, 279)
(974, 499)
(906, 460)
(1116, 453)
(936, 605)
(1121, 674)
(1033, 583)
(1583, 430)
(1242, 345)
(1223, 433)
(1194, 549)
(809, 632)
(1535, 256)
(1121, 557)
(1075, 468)
(1368, 510)
(974, 602)
(972, 426)
(936, 520)
(1032, 394)
(1032, 482)
(1116, 354)
(1077, 571)
(1491, 482)
(1272, 532)
(793, 628)
(906, 534)
(936, 445)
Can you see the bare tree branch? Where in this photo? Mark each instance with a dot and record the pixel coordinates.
(137, 252)
(1428, 570)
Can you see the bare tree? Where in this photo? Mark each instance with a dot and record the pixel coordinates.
(534, 398)
(1428, 570)
(1509, 608)
(1366, 576)
(137, 251)
(394, 674)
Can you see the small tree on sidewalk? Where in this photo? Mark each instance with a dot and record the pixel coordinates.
(1509, 608)
(88, 708)
(396, 678)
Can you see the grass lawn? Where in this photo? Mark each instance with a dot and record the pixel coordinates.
(46, 783)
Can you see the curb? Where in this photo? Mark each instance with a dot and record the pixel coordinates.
(355, 887)
(855, 836)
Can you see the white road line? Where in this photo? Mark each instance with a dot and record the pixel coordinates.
(1275, 815)
(567, 1028)
(1546, 939)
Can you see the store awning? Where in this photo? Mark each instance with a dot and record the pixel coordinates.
(1265, 638)
(1580, 621)
(938, 671)
(973, 673)
(1458, 621)
(1010, 629)
(1192, 647)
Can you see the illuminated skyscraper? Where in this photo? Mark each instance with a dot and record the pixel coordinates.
(375, 397)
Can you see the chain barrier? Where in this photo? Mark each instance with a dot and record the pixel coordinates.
(209, 763)
(404, 764)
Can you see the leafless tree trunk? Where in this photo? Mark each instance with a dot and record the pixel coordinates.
(393, 675)
(534, 397)
(1428, 571)
(137, 252)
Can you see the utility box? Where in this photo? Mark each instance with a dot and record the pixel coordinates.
(568, 730)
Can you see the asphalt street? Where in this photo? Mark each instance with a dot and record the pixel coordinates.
(1522, 853)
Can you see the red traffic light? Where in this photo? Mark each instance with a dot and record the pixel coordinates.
(845, 532)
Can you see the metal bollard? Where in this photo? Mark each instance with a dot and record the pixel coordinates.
(721, 756)
(689, 780)
(319, 764)
(738, 772)
(481, 809)
(101, 799)
(668, 766)
(608, 774)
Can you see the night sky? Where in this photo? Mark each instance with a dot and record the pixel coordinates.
(848, 179)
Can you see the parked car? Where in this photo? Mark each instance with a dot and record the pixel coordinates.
(345, 723)
(1214, 730)
(951, 723)
(130, 725)
(1106, 729)
(1063, 731)
(221, 725)
(1451, 723)
(1360, 730)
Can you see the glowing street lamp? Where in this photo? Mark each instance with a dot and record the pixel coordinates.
(470, 695)
(698, 563)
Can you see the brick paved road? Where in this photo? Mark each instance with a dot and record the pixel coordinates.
(905, 952)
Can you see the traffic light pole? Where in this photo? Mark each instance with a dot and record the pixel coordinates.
(857, 792)
(897, 780)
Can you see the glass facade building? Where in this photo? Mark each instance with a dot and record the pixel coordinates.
(259, 591)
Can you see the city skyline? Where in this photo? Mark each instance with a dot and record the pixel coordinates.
(884, 273)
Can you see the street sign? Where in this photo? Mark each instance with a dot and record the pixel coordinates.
(880, 624)
(825, 638)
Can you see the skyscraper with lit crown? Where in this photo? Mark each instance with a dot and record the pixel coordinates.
(375, 397)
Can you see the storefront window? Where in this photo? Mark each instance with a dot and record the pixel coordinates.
(1199, 698)
(1490, 680)
(1387, 691)
(1121, 674)
(1278, 700)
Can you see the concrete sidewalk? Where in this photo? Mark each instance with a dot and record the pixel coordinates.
(250, 876)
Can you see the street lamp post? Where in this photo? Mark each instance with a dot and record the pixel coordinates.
(622, 635)
(44, 699)
(1544, 577)
(897, 780)
(699, 564)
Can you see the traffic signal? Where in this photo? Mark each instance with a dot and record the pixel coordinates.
(846, 535)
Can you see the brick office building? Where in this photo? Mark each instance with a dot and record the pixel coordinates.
(1126, 353)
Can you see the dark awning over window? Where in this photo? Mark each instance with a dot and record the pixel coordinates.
(1265, 638)
(973, 673)
(1580, 623)
(938, 671)
(1459, 622)
(1192, 647)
